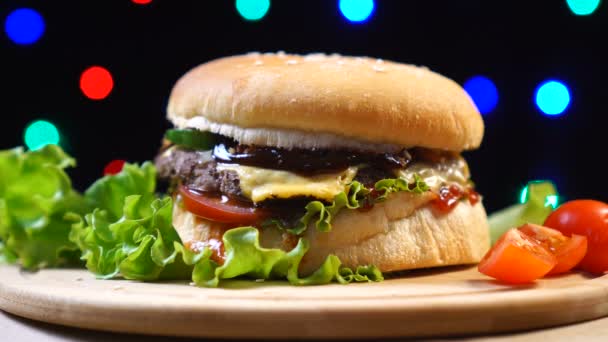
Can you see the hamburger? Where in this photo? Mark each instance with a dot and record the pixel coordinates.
(360, 156)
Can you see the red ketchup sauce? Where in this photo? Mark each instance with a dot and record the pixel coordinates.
(215, 243)
(449, 196)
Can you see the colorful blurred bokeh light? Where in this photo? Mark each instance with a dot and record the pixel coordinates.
(252, 10)
(583, 7)
(39, 134)
(96, 83)
(552, 97)
(483, 92)
(24, 26)
(356, 11)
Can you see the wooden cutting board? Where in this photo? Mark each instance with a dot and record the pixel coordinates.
(445, 301)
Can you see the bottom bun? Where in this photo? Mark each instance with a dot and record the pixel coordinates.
(402, 233)
(424, 239)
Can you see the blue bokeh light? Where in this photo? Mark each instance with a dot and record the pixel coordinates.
(483, 92)
(552, 97)
(24, 26)
(356, 11)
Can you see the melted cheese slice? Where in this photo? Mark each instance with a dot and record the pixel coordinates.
(259, 184)
(435, 175)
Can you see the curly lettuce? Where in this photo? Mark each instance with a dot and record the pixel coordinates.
(391, 185)
(6, 256)
(128, 225)
(35, 196)
(142, 245)
(322, 213)
(109, 193)
(539, 198)
(245, 257)
(138, 245)
(356, 196)
(121, 228)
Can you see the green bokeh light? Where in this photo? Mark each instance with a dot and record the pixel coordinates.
(583, 7)
(39, 134)
(252, 9)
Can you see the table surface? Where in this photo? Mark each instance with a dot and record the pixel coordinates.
(17, 329)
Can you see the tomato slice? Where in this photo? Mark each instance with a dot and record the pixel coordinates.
(570, 254)
(569, 251)
(517, 259)
(220, 208)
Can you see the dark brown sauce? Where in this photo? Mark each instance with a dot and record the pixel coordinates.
(308, 161)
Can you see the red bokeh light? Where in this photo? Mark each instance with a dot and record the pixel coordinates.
(113, 167)
(142, 2)
(96, 83)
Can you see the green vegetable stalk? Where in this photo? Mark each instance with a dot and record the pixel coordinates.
(540, 198)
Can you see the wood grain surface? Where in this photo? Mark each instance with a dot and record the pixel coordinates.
(448, 301)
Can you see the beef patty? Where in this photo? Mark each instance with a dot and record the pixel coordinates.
(198, 171)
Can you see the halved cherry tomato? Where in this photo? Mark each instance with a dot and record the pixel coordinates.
(220, 209)
(588, 218)
(517, 259)
(569, 251)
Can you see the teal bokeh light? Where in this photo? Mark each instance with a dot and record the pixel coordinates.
(356, 11)
(39, 134)
(552, 97)
(583, 7)
(252, 9)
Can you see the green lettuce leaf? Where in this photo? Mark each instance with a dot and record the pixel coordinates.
(391, 185)
(356, 196)
(138, 245)
(539, 199)
(129, 234)
(142, 245)
(35, 196)
(109, 193)
(322, 213)
(6, 256)
(360, 274)
(245, 257)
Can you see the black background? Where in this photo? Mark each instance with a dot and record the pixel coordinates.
(517, 44)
